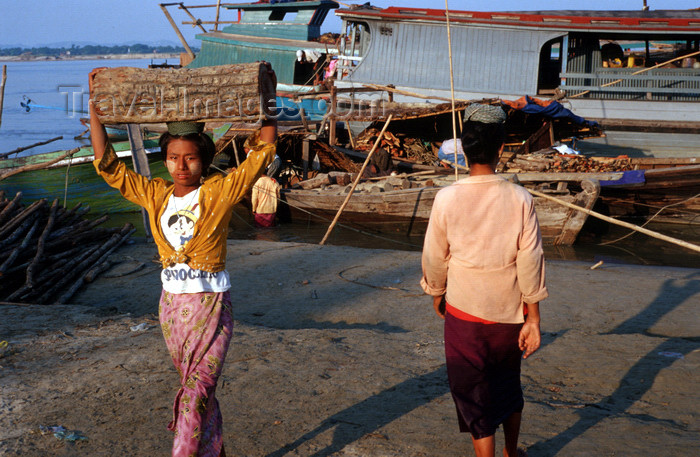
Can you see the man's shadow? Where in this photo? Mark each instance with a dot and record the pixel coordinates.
(369, 415)
(641, 376)
(364, 417)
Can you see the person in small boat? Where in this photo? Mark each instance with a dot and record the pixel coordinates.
(189, 220)
(263, 199)
(484, 266)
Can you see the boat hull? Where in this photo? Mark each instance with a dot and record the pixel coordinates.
(559, 225)
(75, 183)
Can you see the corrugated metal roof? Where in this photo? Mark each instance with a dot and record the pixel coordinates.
(662, 21)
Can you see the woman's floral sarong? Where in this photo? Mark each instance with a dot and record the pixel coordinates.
(197, 329)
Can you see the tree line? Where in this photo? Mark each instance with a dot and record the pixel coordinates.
(90, 50)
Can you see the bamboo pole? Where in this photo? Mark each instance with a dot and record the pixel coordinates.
(37, 166)
(611, 220)
(2, 89)
(408, 93)
(196, 22)
(352, 140)
(357, 180)
(692, 54)
(452, 87)
(177, 30)
(216, 21)
(24, 148)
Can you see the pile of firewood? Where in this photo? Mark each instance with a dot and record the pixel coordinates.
(399, 146)
(559, 163)
(47, 252)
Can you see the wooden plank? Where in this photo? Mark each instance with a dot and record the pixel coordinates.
(151, 95)
(138, 155)
(2, 88)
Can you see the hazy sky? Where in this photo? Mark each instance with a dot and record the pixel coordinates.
(34, 23)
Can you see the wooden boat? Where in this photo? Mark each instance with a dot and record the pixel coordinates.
(75, 178)
(409, 199)
(604, 62)
(275, 33)
(646, 186)
(673, 193)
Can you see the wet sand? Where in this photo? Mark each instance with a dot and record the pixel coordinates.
(336, 352)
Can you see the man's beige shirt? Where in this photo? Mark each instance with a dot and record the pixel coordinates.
(483, 248)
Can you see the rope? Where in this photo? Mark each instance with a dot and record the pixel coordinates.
(651, 233)
(65, 188)
(648, 220)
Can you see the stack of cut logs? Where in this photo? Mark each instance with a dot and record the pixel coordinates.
(555, 162)
(398, 146)
(47, 252)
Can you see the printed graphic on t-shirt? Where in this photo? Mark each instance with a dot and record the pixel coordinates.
(182, 223)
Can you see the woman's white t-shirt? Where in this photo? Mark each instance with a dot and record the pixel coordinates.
(177, 223)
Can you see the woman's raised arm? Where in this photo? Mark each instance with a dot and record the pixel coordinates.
(98, 133)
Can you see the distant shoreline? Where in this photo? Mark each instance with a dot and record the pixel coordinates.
(150, 55)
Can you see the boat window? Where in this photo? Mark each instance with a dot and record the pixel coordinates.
(629, 67)
(550, 66)
(288, 16)
(355, 45)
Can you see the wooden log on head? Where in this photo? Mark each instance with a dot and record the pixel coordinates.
(241, 92)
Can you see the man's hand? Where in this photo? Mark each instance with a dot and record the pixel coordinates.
(529, 338)
(439, 305)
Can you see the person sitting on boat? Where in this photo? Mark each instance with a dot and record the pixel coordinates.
(446, 153)
(380, 164)
(484, 266)
(195, 305)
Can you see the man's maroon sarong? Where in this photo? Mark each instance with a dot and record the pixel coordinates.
(483, 370)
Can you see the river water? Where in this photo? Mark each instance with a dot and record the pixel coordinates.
(60, 85)
(63, 85)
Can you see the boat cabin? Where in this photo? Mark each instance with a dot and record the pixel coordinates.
(285, 34)
(605, 62)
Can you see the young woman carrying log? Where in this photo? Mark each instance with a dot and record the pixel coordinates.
(189, 220)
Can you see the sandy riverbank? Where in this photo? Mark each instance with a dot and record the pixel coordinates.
(337, 352)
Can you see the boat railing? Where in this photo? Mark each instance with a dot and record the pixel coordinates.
(679, 84)
(346, 64)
